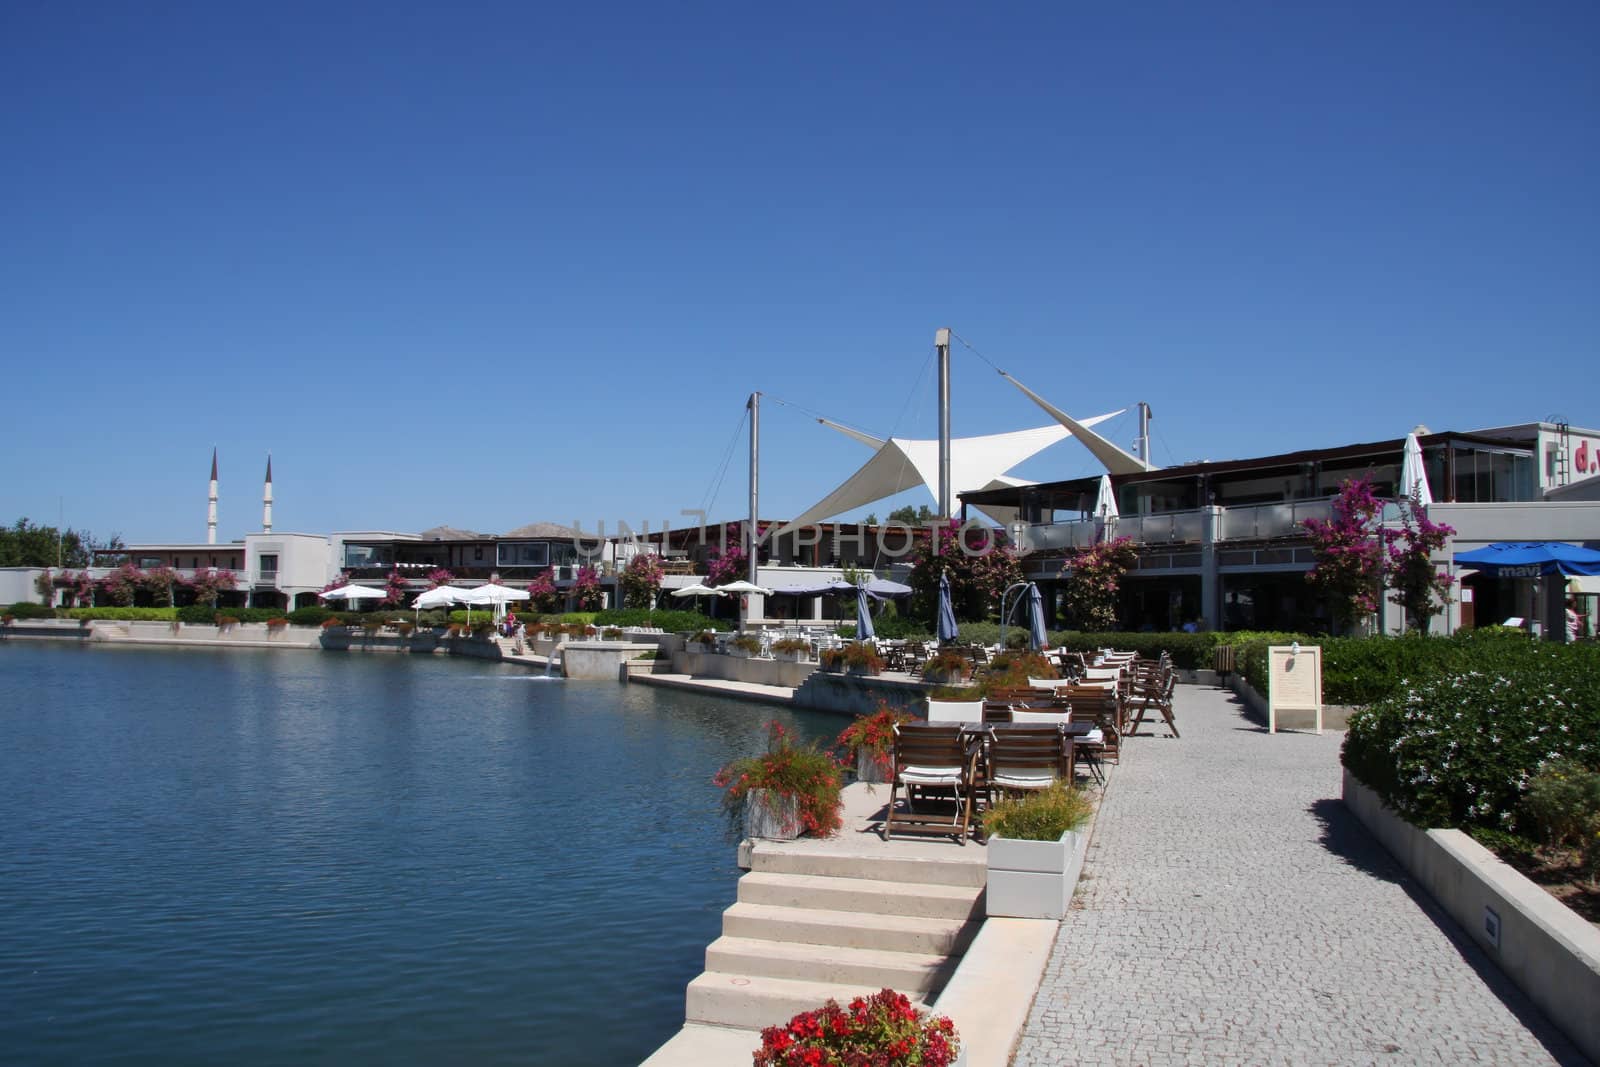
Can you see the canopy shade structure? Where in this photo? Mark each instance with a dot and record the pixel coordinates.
(1530, 559)
(354, 592)
(900, 464)
(1413, 474)
(878, 588)
(1114, 459)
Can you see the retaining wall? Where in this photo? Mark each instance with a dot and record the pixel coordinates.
(1551, 953)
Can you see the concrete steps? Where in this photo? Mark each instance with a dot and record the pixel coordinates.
(813, 924)
(870, 896)
(909, 972)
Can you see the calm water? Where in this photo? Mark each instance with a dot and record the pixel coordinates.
(291, 857)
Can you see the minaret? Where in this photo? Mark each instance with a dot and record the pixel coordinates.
(211, 502)
(266, 499)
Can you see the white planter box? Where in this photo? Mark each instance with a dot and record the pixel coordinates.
(1033, 879)
(868, 769)
(792, 657)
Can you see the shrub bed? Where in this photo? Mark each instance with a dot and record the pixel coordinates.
(201, 614)
(27, 609)
(670, 621)
(124, 614)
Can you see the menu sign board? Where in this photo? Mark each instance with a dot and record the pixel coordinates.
(1294, 682)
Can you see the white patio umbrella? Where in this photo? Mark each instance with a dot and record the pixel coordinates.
(741, 587)
(354, 592)
(696, 589)
(496, 596)
(437, 597)
(1413, 474)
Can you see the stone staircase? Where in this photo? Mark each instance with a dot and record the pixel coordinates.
(808, 926)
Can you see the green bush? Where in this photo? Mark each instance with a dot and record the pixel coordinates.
(125, 614)
(201, 614)
(1562, 806)
(671, 621)
(27, 609)
(1041, 816)
(1188, 651)
(1460, 746)
(902, 627)
(311, 616)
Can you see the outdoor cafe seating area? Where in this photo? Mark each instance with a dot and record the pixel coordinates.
(968, 754)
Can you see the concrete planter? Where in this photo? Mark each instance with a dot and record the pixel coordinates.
(860, 672)
(792, 657)
(1034, 879)
(771, 816)
(938, 677)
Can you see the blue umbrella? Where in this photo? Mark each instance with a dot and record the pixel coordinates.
(1530, 559)
(945, 625)
(864, 630)
(1037, 638)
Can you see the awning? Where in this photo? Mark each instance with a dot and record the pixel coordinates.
(1530, 559)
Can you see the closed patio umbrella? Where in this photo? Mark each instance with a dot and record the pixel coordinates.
(864, 630)
(354, 592)
(1413, 474)
(1037, 637)
(945, 624)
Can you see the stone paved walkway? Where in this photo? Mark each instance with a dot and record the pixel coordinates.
(1234, 912)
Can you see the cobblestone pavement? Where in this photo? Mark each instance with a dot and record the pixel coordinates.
(1233, 912)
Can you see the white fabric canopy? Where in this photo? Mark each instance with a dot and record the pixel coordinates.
(1115, 460)
(1413, 474)
(354, 592)
(1586, 584)
(900, 464)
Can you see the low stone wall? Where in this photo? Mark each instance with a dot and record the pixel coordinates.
(734, 669)
(1543, 946)
(45, 629)
(851, 694)
(591, 660)
(1334, 716)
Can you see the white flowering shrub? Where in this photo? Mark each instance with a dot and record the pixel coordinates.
(1462, 747)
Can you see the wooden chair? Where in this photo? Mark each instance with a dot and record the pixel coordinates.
(1026, 757)
(1099, 705)
(931, 760)
(955, 711)
(1152, 691)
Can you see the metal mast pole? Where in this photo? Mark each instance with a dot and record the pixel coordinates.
(1144, 432)
(751, 541)
(941, 341)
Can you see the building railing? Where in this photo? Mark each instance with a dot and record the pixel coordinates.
(1259, 522)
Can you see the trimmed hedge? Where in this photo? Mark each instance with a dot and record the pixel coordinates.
(125, 614)
(1459, 745)
(670, 621)
(204, 615)
(27, 609)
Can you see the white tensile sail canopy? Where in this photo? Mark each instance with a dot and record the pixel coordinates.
(900, 464)
(1115, 460)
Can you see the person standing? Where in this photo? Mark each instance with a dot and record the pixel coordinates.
(1574, 620)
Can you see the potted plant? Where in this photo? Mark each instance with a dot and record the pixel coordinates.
(882, 1028)
(331, 622)
(788, 790)
(831, 660)
(791, 649)
(484, 629)
(457, 629)
(7, 619)
(277, 625)
(404, 627)
(226, 623)
(590, 633)
(745, 646)
(946, 666)
(1035, 852)
(705, 639)
(612, 633)
(868, 743)
(861, 658)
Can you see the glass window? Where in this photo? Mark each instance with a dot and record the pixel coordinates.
(269, 564)
(524, 554)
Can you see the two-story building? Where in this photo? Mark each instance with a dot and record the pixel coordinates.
(1223, 544)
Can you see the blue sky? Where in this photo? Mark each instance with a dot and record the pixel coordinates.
(489, 264)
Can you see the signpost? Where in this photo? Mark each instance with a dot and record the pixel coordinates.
(1294, 682)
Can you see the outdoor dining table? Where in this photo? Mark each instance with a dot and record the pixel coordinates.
(1087, 738)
